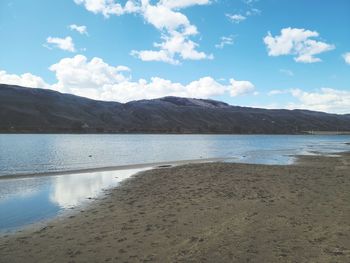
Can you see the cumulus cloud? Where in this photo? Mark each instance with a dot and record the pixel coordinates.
(174, 46)
(225, 41)
(123, 68)
(80, 29)
(151, 55)
(108, 7)
(176, 29)
(61, 43)
(98, 80)
(297, 42)
(241, 87)
(163, 17)
(176, 32)
(157, 87)
(79, 76)
(26, 80)
(324, 99)
(346, 57)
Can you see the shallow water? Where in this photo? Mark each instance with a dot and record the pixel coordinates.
(24, 201)
(28, 154)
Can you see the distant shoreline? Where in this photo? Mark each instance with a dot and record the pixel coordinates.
(174, 133)
(30, 110)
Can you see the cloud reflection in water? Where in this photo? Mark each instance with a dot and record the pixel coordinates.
(71, 190)
(25, 201)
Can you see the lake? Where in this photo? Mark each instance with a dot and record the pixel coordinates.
(27, 200)
(30, 154)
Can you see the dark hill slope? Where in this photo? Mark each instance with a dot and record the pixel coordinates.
(38, 110)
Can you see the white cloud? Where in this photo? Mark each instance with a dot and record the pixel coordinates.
(277, 92)
(287, 72)
(174, 26)
(157, 87)
(98, 80)
(61, 43)
(225, 41)
(25, 80)
(177, 43)
(163, 17)
(241, 87)
(108, 7)
(236, 18)
(326, 99)
(123, 68)
(176, 30)
(295, 41)
(80, 29)
(79, 76)
(346, 57)
(174, 46)
(151, 55)
(183, 3)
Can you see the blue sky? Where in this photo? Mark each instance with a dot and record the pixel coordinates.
(261, 53)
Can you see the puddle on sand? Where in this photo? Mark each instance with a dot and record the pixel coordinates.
(24, 201)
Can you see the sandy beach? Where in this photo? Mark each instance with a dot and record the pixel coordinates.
(212, 212)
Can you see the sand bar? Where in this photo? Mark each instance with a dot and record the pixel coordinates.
(114, 168)
(208, 212)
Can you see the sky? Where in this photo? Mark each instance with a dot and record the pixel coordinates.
(257, 53)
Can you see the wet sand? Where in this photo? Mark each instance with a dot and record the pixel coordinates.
(212, 212)
(112, 168)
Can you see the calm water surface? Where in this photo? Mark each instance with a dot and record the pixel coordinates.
(24, 201)
(21, 154)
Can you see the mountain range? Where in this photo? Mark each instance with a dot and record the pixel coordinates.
(29, 110)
